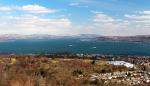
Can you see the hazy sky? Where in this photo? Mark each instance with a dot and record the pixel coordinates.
(71, 17)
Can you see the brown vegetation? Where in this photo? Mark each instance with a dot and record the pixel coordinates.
(43, 71)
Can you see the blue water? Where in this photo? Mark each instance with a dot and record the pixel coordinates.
(75, 46)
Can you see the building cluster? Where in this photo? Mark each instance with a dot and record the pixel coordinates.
(130, 77)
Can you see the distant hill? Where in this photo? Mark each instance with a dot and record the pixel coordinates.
(82, 37)
(139, 38)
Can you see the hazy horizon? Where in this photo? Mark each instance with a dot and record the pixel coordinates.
(70, 35)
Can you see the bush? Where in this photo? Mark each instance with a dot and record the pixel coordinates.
(77, 72)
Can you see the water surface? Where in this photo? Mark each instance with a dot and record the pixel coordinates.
(75, 46)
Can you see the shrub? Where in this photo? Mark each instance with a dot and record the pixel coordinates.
(77, 72)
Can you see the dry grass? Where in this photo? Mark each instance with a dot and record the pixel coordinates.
(43, 71)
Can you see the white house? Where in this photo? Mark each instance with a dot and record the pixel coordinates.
(127, 64)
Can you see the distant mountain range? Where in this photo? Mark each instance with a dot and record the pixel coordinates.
(33, 36)
(82, 37)
(138, 38)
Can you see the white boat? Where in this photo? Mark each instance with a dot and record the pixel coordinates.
(70, 45)
(94, 47)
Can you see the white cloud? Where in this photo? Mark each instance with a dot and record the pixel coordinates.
(100, 23)
(100, 17)
(37, 9)
(75, 4)
(130, 25)
(29, 24)
(5, 8)
(146, 12)
(103, 24)
(139, 20)
(28, 9)
(138, 17)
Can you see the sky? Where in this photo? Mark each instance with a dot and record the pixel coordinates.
(73, 17)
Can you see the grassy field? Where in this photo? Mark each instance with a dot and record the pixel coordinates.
(43, 71)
